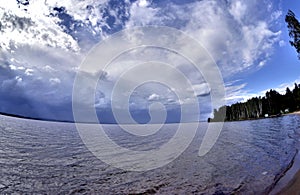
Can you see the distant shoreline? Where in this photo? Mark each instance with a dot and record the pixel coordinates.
(210, 120)
(83, 122)
(296, 112)
(287, 183)
(33, 118)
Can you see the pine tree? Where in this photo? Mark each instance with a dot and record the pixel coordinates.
(294, 30)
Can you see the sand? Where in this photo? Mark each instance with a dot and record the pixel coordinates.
(289, 184)
(293, 187)
(296, 112)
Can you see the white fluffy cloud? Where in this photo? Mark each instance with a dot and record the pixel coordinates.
(142, 14)
(38, 55)
(153, 96)
(282, 87)
(235, 36)
(19, 27)
(37, 50)
(46, 22)
(237, 93)
(240, 35)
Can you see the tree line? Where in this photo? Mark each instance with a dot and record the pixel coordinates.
(272, 104)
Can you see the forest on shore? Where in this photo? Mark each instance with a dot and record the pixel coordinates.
(272, 104)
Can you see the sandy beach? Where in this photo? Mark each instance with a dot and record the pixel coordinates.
(293, 187)
(291, 179)
(296, 112)
(289, 184)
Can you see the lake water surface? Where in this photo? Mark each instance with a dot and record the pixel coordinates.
(50, 158)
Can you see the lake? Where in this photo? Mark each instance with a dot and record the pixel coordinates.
(50, 158)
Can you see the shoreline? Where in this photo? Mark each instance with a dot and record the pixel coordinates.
(210, 120)
(286, 183)
(289, 182)
(296, 112)
(293, 187)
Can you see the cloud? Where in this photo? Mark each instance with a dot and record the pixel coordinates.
(153, 96)
(30, 88)
(201, 89)
(18, 79)
(12, 67)
(235, 37)
(43, 42)
(143, 3)
(237, 10)
(54, 81)
(237, 93)
(29, 72)
(236, 43)
(19, 27)
(72, 25)
(282, 87)
(142, 14)
(282, 43)
(276, 15)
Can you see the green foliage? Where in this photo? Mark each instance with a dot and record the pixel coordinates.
(272, 103)
(294, 30)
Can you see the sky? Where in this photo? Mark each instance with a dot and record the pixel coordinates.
(43, 44)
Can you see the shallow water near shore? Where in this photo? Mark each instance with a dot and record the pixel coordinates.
(49, 157)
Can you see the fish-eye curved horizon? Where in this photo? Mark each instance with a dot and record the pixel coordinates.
(149, 97)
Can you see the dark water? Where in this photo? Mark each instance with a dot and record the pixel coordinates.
(50, 158)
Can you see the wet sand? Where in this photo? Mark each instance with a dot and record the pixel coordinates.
(289, 183)
(293, 188)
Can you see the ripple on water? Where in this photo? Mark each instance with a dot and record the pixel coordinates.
(49, 157)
